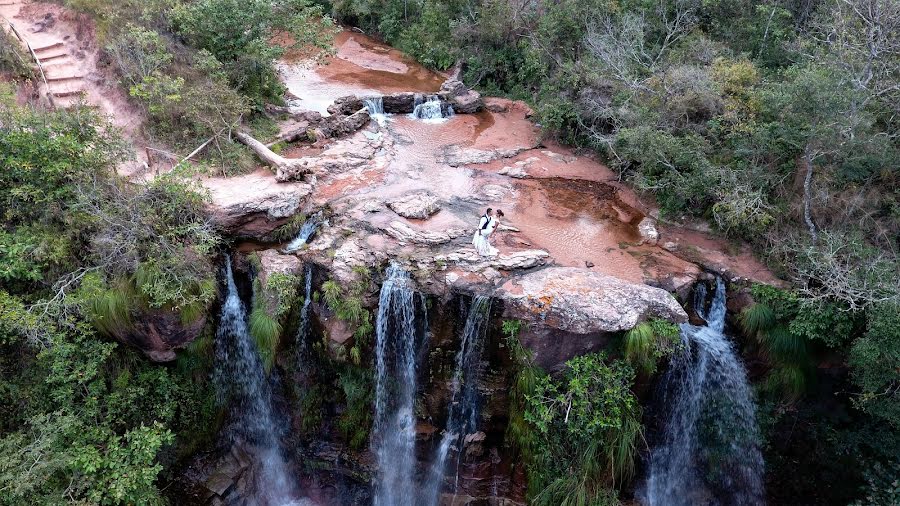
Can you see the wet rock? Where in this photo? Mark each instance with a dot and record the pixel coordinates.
(345, 106)
(158, 333)
(273, 262)
(420, 205)
(456, 156)
(582, 301)
(474, 444)
(339, 156)
(463, 100)
(648, 231)
(399, 103)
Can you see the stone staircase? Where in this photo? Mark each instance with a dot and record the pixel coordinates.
(64, 84)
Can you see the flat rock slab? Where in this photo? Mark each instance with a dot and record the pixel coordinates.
(419, 206)
(581, 301)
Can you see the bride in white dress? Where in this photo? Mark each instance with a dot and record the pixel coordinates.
(486, 227)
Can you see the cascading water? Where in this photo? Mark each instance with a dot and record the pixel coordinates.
(242, 379)
(310, 226)
(304, 327)
(375, 106)
(431, 109)
(395, 391)
(462, 412)
(710, 452)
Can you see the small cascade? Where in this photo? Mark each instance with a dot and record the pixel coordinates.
(710, 452)
(462, 415)
(309, 228)
(375, 106)
(431, 109)
(242, 379)
(304, 328)
(395, 391)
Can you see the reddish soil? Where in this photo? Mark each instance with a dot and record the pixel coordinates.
(360, 66)
(571, 205)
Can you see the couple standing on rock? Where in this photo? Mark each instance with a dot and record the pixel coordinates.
(489, 222)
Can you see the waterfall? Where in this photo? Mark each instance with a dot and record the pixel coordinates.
(310, 226)
(462, 412)
(303, 329)
(242, 379)
(375, 106)
(395, 391)
(431, 109)
(710, 451)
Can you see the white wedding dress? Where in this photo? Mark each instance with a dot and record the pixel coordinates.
(480, 240)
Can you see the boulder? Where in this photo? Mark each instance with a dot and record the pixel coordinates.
(251, 206)
(273, 262)
(463, 100)
(345, 106)
(159, 332)
(582, 302)
(648, 231)
(403, 232)
(419, 205)
(399, 103)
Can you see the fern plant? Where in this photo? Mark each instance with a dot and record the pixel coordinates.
(647, 342)
(265, 332)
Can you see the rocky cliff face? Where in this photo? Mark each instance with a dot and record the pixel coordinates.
(580, 260)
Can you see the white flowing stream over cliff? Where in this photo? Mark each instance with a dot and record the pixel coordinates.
(242, 380)
(431, 110)
(710, 452)
(394, 436)
(462, 411)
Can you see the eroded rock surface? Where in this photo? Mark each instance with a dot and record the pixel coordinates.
(581, 301)
(463, 100)
(419, 205)
(251, 206)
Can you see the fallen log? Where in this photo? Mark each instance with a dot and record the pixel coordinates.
(274, 160)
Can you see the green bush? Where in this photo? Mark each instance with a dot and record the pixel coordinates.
(648, 342)
(589, 427)
(14, 60)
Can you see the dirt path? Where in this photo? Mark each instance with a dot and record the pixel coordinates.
(65, 43)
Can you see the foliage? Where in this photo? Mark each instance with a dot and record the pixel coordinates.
(589, 428)
(266, 332)
(13, 58)
(237, 33)
(875, 361)
(349, 305)
(89, 420)
(355, 423)
(883, 486)
(289, 229)
(648, 342)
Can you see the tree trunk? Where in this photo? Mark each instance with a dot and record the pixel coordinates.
(807, 193)
(265, 154)
(285, 168)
